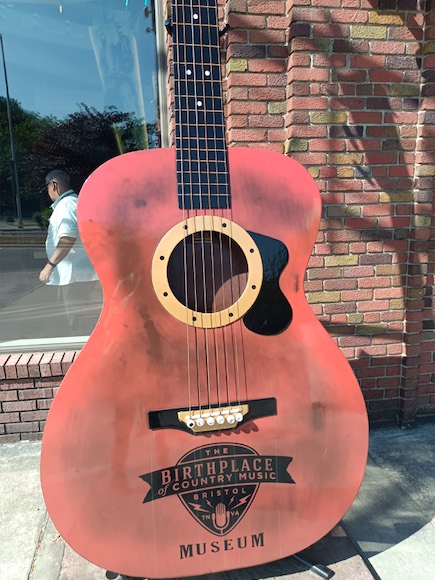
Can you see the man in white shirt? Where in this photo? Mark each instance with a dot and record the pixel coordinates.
(68, 265)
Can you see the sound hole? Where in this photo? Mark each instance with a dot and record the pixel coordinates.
(207, 271)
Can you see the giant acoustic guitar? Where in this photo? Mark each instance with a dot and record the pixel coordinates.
(210, 423)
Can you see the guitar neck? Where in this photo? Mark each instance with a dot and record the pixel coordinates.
(202, 170)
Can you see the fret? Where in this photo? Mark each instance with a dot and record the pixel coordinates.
(208, 88)
(209, 118)
(215, 168)
(202, 173)
(201, 131)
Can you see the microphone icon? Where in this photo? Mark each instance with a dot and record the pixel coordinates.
(221, 517)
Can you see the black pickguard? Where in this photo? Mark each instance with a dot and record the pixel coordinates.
(271, 313)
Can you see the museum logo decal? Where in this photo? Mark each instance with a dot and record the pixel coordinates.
(218, 483)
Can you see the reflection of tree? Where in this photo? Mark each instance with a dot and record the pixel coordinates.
(27, 127)
(79, 143)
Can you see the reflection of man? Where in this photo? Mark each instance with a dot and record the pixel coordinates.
(124, 58)
(105, 55)
(68, 265)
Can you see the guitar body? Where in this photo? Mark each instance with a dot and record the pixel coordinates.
(153, 500)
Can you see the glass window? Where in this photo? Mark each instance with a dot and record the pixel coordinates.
(78, 85)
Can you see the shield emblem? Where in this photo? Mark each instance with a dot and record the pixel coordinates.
(217, 483)
(222, 503)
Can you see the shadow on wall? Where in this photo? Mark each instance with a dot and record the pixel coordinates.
(372, 204)
(382, 95)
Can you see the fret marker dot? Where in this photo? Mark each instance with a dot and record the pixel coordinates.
(188, 72)
(199, 103)
(195, 16)
(207, 73)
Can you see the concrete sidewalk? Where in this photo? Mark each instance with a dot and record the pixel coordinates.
(388, 533)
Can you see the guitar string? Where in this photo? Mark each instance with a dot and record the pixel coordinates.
(198, 332)
(224, 329)
(234, 339)
(235, 292)
(226, 303)
(212, 20)
(177, 48)
(221, 331)
(200, 100)
(234, 286)
(209, 335)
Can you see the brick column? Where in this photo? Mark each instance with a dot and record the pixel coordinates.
(419, 368)
(354, 93)
(256, 73)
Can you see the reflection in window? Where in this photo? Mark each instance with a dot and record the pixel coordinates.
(82, 88)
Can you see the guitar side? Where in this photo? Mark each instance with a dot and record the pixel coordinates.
(113, 486)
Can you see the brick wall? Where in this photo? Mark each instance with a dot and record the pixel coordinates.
(28, 383)
(347, 88)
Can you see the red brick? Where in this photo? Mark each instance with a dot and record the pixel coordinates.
(22, 366)
(9, 417)
(246, 21)
(237, 121)
(3, 360)
(375, 282)
(359, 117)
(349, 16)
(8, 396)
(267, 121)
(267, 36)
(11, 366)
(354, 341)
(34, 370)
(19, 406)
(247, 79)
(33, 415)
(309, 14)
(276, 135)
(278, 22)
(22, 427)
(240, 135)
(367, 306)
(44, 403)
(15, 384)
(246, 108)
(308, 74)
(372, 62)
(387, 47)
(35, 394)
(266, 6)
(44, 364)
(360, 296)
(267, 65)
(67, 359)
(277, 147)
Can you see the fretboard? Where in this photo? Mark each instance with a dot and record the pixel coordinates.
(202, 170)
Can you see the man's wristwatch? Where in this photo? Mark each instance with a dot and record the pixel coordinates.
(51, 264)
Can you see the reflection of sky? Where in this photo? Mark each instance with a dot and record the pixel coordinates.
(53, 60)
